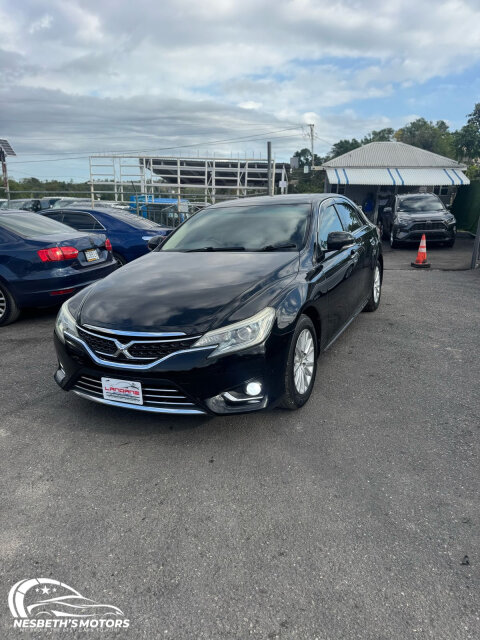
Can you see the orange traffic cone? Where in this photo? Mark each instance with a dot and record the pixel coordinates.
(421, 261)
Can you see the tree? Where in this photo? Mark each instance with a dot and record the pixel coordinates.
(343, 146)
(429, 136)
(474, 117)
(310, 182)
(305, 158)
(467, 139)
(383, 135)
(467, 143)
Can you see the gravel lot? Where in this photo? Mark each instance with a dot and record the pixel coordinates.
(349, 519)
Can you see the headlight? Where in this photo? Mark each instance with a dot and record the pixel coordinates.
(65, 322)
(240, 335)
(402, 222)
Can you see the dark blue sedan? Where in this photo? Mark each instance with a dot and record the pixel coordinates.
(42, 262)
(128, 233)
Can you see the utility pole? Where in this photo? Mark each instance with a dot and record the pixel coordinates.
(4, 173)
(5, 150)
(312, 136)
(269, 167)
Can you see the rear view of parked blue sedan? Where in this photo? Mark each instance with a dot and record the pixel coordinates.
(128, 233)
(42, 262)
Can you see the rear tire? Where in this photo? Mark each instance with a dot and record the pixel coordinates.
(376, 293)
(301, 366)
(120, 259)
(9, 310)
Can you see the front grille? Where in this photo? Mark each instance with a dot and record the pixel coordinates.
(120, 348)
(158, 394)
(427, 226)
(97, 343)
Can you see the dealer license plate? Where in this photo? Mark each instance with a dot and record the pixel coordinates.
(122, 391)
(91, 255)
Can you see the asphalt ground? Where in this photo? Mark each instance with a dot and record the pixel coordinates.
(349, 519)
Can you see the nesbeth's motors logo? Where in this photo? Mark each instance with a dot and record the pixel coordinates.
(44, 603)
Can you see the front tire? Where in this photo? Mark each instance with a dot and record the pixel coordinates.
(9, 310)
(301, 366)
(376, 293)
(450, 243)
(393, 242)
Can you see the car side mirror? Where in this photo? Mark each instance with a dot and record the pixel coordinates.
(387, 209)
(155, 242)
(448, 207)
(339, 239)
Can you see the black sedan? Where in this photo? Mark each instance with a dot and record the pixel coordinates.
(414, 214)
(229, 313)
(42, 262)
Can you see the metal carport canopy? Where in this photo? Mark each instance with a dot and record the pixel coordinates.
(393, 176)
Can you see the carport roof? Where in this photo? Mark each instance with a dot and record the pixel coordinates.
(392, 154)
(397, 176)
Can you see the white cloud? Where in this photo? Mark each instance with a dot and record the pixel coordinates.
(277, 60)
(45, 22)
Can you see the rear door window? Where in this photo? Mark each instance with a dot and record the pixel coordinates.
(58, 216)
(81, 221)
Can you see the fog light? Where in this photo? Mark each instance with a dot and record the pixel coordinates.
(253, 389)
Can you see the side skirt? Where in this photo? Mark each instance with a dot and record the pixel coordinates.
(346, 325)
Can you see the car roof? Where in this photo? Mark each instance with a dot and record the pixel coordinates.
(291, 198)
(100, 209)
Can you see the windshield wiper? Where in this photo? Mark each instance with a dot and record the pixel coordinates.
(216, 249)
(279, 246)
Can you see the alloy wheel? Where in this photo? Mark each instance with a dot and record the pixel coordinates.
(377, 283)
(3, 304)
(304, 360)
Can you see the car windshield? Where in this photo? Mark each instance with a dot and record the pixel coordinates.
(265, 227)
(32, 225)
(419, 204)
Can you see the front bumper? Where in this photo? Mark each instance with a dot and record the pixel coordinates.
(414, 233)
(187, 382)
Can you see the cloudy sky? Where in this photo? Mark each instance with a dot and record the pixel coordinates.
(223, 76)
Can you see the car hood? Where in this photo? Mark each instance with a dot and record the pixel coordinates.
(189, 292)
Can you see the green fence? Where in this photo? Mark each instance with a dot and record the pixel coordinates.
(466, 207)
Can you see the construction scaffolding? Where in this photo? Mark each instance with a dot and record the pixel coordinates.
(199, 180)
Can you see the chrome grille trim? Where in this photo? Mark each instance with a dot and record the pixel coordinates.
(115, 348)
(136, 407)
(131, 365)
(91, 388)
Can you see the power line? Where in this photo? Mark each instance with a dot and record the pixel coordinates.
(255, 138)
